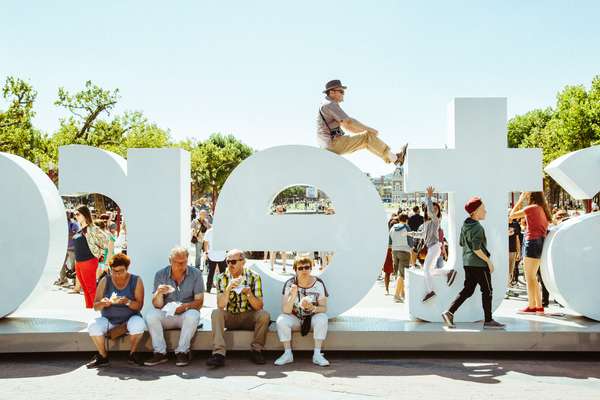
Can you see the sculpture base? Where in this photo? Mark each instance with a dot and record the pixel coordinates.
(361, 329)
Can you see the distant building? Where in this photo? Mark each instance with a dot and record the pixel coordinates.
(391, 189)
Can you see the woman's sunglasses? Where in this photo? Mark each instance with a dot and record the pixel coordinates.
(304, 268)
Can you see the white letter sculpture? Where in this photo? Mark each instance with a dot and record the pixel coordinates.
(570, 267)
(477, 163)
(34, 229)
(153, 190)
(356, 233)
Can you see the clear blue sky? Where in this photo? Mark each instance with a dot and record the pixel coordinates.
(256, 68)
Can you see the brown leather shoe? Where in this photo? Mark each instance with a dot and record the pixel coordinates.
(401, 155)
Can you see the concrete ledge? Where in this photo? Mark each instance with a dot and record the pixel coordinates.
(31, 335)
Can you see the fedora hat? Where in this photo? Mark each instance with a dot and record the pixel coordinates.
(334, 84)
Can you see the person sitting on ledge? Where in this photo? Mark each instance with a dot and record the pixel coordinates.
(332, 118)
(178, 297)
(304, 307)
(477, 263)
(119, 298)
(239, 306)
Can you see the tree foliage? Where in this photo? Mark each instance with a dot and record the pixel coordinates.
(213, 160)
(573, 124)
(92, 121)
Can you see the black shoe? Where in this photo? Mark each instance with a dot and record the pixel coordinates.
(428, 296)
(448, 319)
(157, 358)
(134, 359)
(493, 325)
(450, 277)
(183, 359)
(257, 357)
(216, 360)
(98, 362)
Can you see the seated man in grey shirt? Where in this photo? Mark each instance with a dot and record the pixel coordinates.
(332, 118)
(182, 285)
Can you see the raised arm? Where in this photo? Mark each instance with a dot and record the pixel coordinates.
(432, 215)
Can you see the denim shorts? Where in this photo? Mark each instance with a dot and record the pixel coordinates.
(534, 247)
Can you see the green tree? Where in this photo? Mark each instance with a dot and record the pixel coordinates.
(213, 160)
(86, 106)
(573, 124)
(17, 134)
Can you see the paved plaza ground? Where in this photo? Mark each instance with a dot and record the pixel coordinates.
(352, 375)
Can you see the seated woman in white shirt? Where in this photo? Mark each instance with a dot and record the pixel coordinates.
(304, 306)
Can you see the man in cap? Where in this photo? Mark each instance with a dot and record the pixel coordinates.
(477, 263)
(332, 118)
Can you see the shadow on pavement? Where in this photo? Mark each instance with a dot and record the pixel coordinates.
(477, 368)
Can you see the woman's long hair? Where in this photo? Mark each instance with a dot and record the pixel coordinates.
(439, 213)
(539, 199)
(85, 211)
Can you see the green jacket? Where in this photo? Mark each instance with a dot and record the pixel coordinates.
(472, 237)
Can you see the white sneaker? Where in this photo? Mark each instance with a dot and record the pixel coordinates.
(320, 360)
(285, 358)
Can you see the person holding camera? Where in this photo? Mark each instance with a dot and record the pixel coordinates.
(119, 298)
(304, 306)
(332, 119)
(199, 227)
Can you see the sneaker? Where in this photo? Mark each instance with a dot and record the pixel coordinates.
(182, 359)
(398, 299)
(448, 319)
(320, 360)
(428, 296)
(98, 362)
(527, 310)
(401, 155)
(134, 359)
(216, 360)
(450, 277)
(157, 358)
(286, 358)
(493, 325)
(540, 311)
(257, 357)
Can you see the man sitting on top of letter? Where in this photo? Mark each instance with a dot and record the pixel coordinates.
(331, 117)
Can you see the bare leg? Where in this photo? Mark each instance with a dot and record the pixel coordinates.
(99, 343)
(134, 339)
(534, 295)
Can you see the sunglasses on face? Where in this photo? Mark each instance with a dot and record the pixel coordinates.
(304, 268)
(233, 261)
(340, 91)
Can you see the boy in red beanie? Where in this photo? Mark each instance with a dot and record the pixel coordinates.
(477, 264)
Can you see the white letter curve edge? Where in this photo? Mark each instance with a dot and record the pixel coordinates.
(153, 190)
(570, 267)
(34, 229)
(476, 163)
(359, 243)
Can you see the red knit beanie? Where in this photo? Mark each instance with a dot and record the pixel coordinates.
(473, 204)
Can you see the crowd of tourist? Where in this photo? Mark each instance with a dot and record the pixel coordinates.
(98, 265)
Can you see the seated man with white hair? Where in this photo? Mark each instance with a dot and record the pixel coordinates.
(178, 296)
